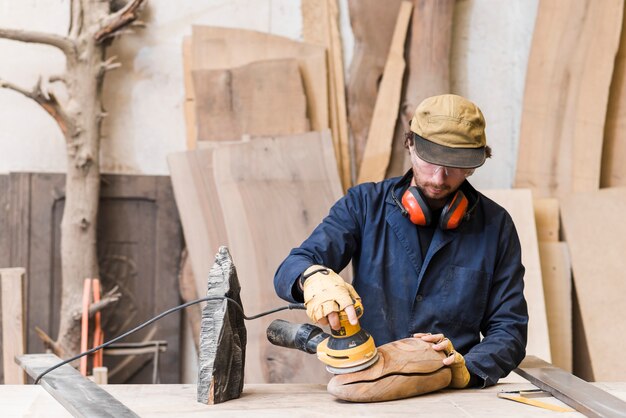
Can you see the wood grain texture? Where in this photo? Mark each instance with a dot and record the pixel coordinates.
(371, 49)
(557, 286)
(223, 338)
(519, 204)
(260, 198)
(613, 172)
(221, 48)
(380, 135)
(244, 100)
(405, 368)
(13, 329)
(597, 244)
(79, 395)
(5, 238)
(547, 219)
(565, 100)
(427, 69)
(189, 107)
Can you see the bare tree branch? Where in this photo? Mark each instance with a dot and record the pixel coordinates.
(57, 78)
(48, 342)
(63, 43)
(118, 20)
(48, 101)
(109, 298)
(76, 18)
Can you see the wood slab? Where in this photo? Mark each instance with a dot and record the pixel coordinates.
(380, 135)
(13, 323)
(596, 238)
(557, 286)
(371, 49)
(261, 98)
(221, 48)
(79, 395)
(613, 173)
(427, 69)
(519, 204)
(547, 219)
(189, 107)
(565, 101)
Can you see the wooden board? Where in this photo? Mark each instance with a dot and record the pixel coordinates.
(189, 107)
(79, 395)
(519, 204)
(557, 287)
(5, 238)
(613, 172)
(371, 49)
(139, 246)
(220, 48)
(244, 100)
(427, 69)
(260, 198)
(13, 333)
(596, 238)
(547, 219)
(567, 86)
(380, 135)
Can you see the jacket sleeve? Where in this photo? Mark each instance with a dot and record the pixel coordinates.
(505, 324)
(332, 244)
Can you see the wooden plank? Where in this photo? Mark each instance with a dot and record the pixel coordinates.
(79, 395)
(380, 136)
(13, 332)
(519, 204)
(243, 100)
(189, 107)
(597, 245)
(223, 336)
(5, 238)
(547, 218)
(220, 48)
(427, 69)
(613, 171)
(567, 86)
(557, 287)
(371, 49)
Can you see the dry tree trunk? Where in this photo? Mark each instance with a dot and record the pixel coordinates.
(93, 25)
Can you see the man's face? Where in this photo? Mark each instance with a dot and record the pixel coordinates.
(436, 182)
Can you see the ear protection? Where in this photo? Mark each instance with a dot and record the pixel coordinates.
(415, 207)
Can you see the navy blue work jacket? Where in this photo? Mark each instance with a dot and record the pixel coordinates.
(469, 283)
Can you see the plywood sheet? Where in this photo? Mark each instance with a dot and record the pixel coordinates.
(613, 173)
(371, 49)
(565, 101)
(220, 48)
(519, 204)
(246, 100)
(557, 286)
(427, 69)
(596, 237)
(260, 198)
(547, 219)
(380, 136)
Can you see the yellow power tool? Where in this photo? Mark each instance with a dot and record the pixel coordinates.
(346, 350)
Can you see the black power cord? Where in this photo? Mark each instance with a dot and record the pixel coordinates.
(161, 315)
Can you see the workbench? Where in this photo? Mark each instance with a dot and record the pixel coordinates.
(299, 400)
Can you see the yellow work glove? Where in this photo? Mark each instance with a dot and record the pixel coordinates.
(454, 359)
(326, 292)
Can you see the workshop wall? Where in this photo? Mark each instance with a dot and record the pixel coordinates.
(144, 98)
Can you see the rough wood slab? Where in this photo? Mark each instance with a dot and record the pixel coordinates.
(13, 334)
(222, 336)
(380, 135)
(547, 219)
(565, 101)
(79, 395)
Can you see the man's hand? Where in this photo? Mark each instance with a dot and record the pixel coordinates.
(456, 362)
(326, 294)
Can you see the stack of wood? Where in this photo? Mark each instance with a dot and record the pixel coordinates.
(572, 143)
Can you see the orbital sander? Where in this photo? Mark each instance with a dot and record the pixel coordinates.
(346, 350)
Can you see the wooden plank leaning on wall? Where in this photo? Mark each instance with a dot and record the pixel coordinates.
(13, 324)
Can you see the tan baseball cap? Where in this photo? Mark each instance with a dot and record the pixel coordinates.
(449, 130)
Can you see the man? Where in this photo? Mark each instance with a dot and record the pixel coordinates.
(432, 257)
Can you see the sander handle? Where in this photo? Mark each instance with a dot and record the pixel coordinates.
(303, 337)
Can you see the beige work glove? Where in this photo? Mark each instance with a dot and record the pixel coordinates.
(454, 359)
(326, 292)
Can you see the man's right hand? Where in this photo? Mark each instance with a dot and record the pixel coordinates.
(326, 294)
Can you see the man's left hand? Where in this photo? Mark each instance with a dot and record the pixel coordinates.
(456, 362)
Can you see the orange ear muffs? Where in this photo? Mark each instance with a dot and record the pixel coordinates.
(454, 211)
(416, 207)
